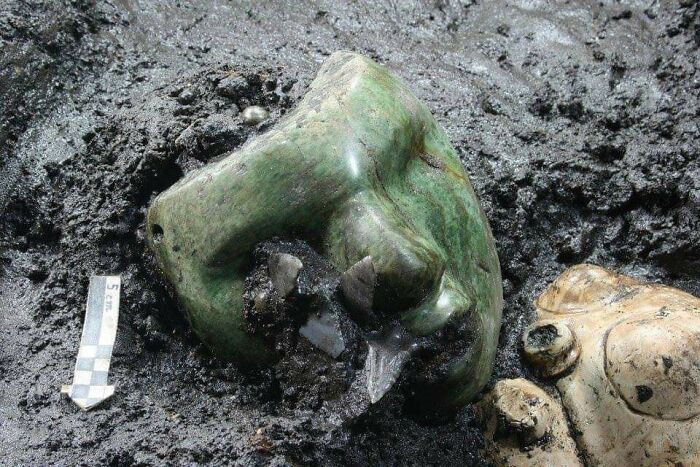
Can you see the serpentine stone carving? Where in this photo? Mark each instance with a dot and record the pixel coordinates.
(360, 169)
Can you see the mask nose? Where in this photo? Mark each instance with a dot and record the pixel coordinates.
(408, 266)
(406, 273)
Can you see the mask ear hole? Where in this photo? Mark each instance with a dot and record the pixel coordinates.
(156, 233)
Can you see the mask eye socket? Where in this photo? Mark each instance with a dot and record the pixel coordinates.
(655, 365)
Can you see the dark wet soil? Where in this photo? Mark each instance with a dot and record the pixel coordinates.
(577, 122)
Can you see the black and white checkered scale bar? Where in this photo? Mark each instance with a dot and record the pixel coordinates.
(90, 386)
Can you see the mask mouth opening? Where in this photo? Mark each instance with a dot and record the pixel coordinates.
(326, 358)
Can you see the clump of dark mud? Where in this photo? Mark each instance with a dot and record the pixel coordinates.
(324, 353)
(577, 123)
(307, 375)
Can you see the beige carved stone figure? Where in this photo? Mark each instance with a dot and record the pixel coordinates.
(525, 426)
(625, 356)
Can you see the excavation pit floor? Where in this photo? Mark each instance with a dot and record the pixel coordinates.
(576, 122)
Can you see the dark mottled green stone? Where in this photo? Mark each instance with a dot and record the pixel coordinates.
(360, 168)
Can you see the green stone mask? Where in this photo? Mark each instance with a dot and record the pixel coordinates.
(360, 168)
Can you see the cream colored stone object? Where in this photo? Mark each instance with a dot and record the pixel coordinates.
(525, 426)
(627, 355)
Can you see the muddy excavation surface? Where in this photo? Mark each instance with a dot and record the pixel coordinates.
(577, 124)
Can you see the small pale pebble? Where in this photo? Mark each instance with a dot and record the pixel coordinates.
(254, 114)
